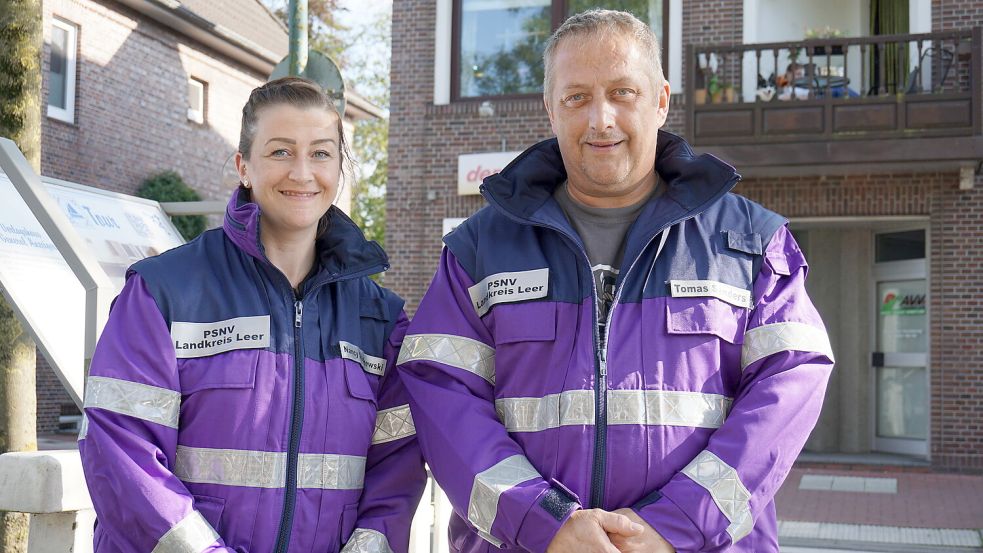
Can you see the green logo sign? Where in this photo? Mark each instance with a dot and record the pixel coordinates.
(904, 304)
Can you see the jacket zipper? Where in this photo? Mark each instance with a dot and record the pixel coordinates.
(600, 368)
(600, 348)
(296, 423)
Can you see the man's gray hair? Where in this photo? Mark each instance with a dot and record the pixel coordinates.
(600, 22)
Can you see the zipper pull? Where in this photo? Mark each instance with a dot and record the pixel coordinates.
(604, 362)
(298, 313)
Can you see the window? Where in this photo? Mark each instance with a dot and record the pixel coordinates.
(196, 100)
(61, 71)
(498, 44)
(899, 246)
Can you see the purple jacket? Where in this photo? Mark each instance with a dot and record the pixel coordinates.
(225, 412)
(712, 377)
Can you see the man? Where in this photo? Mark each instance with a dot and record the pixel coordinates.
(617, 353)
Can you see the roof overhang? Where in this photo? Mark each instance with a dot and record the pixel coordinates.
(173, 15)
(222, 39)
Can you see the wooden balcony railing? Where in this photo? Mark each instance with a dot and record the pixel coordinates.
(878, 87)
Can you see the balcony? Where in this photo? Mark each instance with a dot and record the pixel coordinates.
(897, 102)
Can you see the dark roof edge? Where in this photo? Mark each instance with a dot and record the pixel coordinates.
(179, 18)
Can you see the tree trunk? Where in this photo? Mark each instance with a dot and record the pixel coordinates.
(20, 120)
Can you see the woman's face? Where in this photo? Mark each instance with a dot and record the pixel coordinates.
(293, 169)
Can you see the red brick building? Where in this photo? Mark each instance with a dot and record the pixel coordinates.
(135, 87)
(868, 137)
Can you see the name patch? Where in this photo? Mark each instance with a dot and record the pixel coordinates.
(710, 288)
(509, 287)
(369, 363)
(203, 339)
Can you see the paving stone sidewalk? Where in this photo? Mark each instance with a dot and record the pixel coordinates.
(911, 510)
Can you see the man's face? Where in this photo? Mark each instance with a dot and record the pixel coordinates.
(606, 112)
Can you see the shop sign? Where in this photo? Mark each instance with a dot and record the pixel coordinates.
(474, 168)
(902, 304)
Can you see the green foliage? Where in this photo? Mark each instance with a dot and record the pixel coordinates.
(20, 76)
(170, 187)
(369, 73)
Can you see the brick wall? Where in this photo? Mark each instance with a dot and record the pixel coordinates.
(955, 260)
(131, 103)
(131, 118)
(956, 14)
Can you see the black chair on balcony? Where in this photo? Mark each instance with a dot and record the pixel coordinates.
(943, 58)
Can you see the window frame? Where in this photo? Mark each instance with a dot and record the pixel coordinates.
(66, 114)
(557, 10)
(199, 117)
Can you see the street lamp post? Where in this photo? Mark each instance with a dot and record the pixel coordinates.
(298, 37)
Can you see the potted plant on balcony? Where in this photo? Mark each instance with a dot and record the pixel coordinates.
(719, 90)
(827, 33)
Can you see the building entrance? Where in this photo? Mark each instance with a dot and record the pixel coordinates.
(900, 358)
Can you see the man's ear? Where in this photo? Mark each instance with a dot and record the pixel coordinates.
(663, 111)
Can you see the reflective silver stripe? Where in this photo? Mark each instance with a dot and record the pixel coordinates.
(192, 535)
(726, 489)
(369, 363)
(364, 540)
(488, 487)
(267, 469)
(765, 340)
(84, 427)
(393, 424)
(149, 403)
(456, 351)
(533, 414)
(667, 408)
(648, 407)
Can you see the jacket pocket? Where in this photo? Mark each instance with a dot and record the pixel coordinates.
(211, 508)
(357, 381)
(706, 315)
(533, 321)
(229, 370)
(349, 517)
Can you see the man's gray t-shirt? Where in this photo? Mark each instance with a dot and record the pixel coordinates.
(603, 231)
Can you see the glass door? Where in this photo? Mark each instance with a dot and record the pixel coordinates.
(900, 359)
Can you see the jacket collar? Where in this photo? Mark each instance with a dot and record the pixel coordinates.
(343, 251)
(693, 182)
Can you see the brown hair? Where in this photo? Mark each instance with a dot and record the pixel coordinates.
(598, 22)
(301, 93)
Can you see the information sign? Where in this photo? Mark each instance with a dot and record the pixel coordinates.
(40, 284)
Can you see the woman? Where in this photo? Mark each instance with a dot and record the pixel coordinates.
(243, 395)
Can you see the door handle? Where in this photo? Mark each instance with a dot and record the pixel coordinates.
(877, 359)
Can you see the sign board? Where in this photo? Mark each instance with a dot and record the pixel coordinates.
(38, 281)
(473, 168)
(120, 229)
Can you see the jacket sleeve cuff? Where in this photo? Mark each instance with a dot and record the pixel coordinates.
(683, 513)
(543, 520)
(672, 524)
